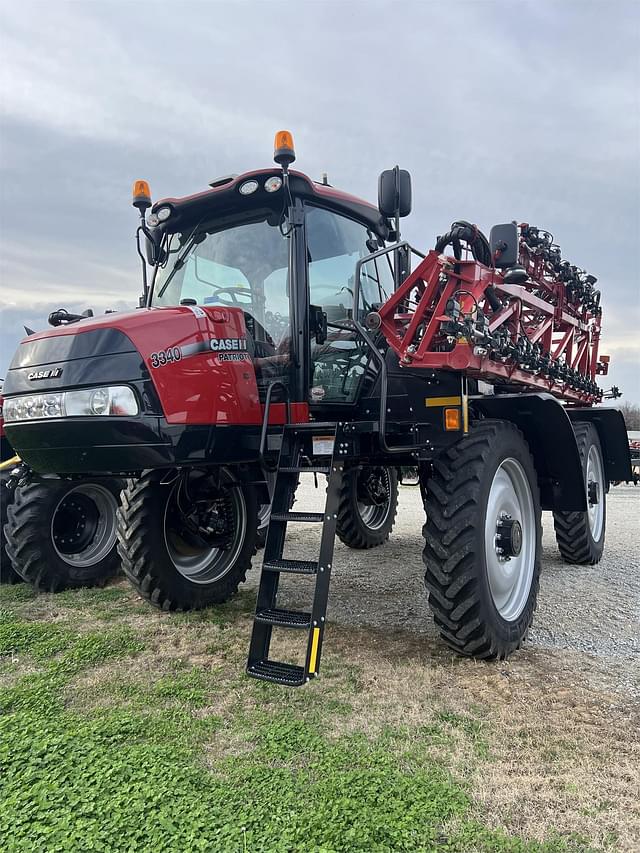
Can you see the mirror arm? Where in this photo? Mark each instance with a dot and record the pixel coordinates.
(145, 286)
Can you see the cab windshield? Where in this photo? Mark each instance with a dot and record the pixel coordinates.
(244, 263)
(243, 266)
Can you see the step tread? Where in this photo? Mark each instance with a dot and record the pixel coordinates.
(284, 618)
(297, 516)
(279, 673)
(300, 567)
(321, 427)
(306, 469)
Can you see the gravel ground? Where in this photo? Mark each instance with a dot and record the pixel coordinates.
(592, 613)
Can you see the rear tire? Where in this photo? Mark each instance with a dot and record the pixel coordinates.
(7, 573)
(580, 535)
(366, 514)
(483, 541)
(170, 566)
(61, 534)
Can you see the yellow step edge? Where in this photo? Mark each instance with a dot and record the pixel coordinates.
(315, 642)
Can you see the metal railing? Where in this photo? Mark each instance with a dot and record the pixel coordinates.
(265, 419)
(370, 342)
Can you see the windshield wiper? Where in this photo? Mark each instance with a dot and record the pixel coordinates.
(180, 260)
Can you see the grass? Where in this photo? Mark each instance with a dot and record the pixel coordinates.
(126, 729)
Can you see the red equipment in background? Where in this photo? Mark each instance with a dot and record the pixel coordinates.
(536, 324)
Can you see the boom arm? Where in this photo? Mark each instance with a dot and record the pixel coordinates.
(542, 332)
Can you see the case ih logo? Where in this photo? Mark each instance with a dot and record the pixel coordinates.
(54, 373)
(228, 344)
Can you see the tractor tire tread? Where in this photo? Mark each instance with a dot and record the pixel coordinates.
(452, 506)
(350, 529)
(135, 526)
(25, 544)
(573, 534)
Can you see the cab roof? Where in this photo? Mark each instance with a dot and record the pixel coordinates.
(224, 198)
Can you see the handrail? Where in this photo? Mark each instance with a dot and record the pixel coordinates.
(379, 357)
(265, 418)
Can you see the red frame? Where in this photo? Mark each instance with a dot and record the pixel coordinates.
(564, 330)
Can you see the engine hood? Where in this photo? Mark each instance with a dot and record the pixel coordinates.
(191, 363)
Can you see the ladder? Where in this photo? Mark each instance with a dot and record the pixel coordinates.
(302, 446)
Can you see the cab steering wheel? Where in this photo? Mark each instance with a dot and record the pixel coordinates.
(233, 291)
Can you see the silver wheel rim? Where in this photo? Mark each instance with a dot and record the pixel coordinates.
(372, 516)
(207, 565)
(510, 577)
(264, 510)
(595, 474)
(264, 514)
(104, 537)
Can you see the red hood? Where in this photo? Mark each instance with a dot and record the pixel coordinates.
(183, 350)
(118, 320)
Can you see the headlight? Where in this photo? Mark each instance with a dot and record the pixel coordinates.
(273, 184)
(110, 400)
(248, 187)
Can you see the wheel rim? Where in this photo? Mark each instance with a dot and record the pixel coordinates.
(264, 514)
(595, 492)
(375, 516)
(205, 565)
(510, 518)
(83, 525)
(264, 510)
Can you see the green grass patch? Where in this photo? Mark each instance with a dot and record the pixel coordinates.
(131, 758)
(16, 594)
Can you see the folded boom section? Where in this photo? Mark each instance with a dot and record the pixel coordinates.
(534, 324)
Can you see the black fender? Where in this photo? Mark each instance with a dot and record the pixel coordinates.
(612, 432)
(546, 426)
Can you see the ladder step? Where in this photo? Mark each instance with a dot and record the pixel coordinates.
(278, 673)
(297, 516)
(299, 567)
(309, 426)
(284, 618)
(307, 469)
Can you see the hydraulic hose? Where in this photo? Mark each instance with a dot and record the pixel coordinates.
(462, 231)
(478, 244)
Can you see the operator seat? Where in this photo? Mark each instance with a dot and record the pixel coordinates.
(267, 361)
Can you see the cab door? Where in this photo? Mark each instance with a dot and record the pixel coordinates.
(335, 244)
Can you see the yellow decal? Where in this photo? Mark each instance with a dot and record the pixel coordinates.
(442, 401)
(314, 650)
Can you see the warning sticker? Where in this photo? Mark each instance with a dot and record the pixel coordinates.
(323, 445)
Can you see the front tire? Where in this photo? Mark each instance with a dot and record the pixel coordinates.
(61, 534)
(483, 541)
(171, 561)
(7, 488)
(580, 535)
(368, 506)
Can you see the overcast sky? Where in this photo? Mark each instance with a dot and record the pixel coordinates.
(500, 110)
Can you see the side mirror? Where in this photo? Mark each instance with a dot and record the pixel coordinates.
(153, 241)
(394, 192)
(505, 244)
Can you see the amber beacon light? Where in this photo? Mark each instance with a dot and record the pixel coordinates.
(141, 195)
(283, 151)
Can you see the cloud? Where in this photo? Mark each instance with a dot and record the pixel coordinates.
(500, 111)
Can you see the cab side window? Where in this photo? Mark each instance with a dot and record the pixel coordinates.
(335, 244)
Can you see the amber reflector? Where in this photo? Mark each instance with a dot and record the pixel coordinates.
(452, 419)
